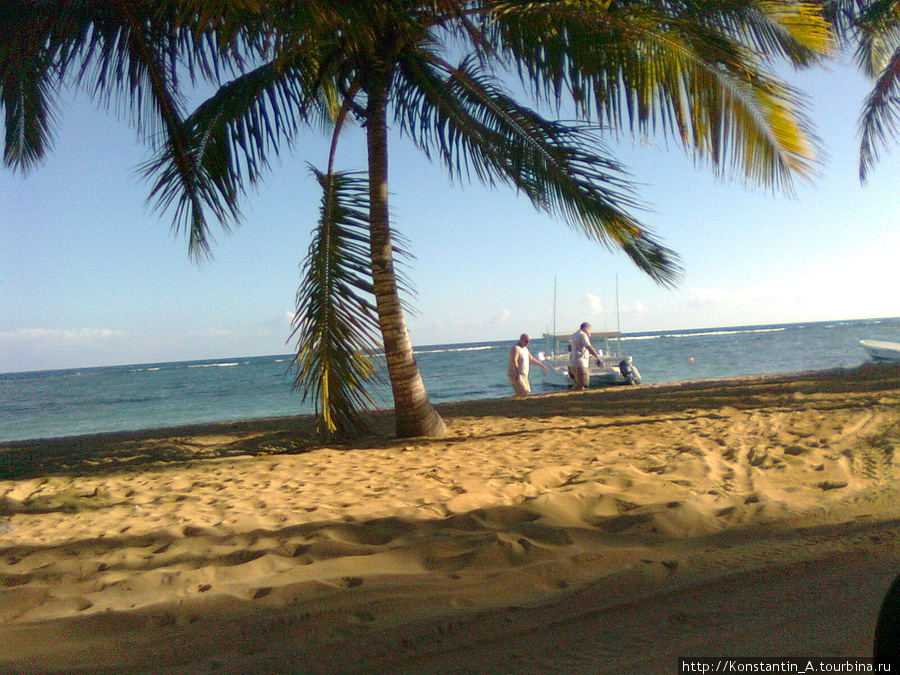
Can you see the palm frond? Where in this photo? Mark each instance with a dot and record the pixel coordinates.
(29, 80)
(841, 15)
(464, 115)
(880, 119)
(138, 57)
(797, 32)
(876, 27)
(234, 133)
(335, 324)
(694, 71)
(124, 54)
(225, 144)
(26, 96)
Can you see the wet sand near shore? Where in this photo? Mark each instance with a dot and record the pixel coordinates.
(605, 531)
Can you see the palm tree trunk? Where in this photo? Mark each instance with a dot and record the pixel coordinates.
(415, 416)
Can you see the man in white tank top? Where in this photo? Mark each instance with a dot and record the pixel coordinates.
(517, 366)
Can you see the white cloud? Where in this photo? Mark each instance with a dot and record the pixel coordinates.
(213, 333)
(591, 304)
(501, 318)
(709, 296)
(61, 335)
(47, 348)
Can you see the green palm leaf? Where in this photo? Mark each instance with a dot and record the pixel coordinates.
(234, 133)
(26, 94)
(134, 55)
(335, 325)
(693, 70)
(875, 27)
(880, 119)
(226, 144)
(127, 53)
(465, 116)
(30, 67)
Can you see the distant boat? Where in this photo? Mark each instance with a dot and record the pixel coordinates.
(614, 369)
(882, 351)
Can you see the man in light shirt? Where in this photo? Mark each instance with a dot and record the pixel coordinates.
(579, 357)
(517, 367)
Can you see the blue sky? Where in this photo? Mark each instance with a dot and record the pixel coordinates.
(90, 276)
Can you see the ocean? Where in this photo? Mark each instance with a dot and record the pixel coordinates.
(56, 403)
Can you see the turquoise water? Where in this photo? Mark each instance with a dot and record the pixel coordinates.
(90, 400)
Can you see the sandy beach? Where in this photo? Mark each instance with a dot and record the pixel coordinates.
(608, 531)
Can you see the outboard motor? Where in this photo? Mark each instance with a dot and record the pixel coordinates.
(629, 371)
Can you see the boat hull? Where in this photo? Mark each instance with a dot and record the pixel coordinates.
(558, 376)
(881, 351)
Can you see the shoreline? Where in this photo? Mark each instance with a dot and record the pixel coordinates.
(242, 546)
(382, 417)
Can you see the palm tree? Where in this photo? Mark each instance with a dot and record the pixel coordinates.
(874, 27)
(700, 73)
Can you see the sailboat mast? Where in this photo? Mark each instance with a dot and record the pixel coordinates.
(554, 305)
(618, 318)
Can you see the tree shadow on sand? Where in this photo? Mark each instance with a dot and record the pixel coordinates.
(126, 451)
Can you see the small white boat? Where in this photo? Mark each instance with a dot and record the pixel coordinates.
(608, 344)
(882, 351)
